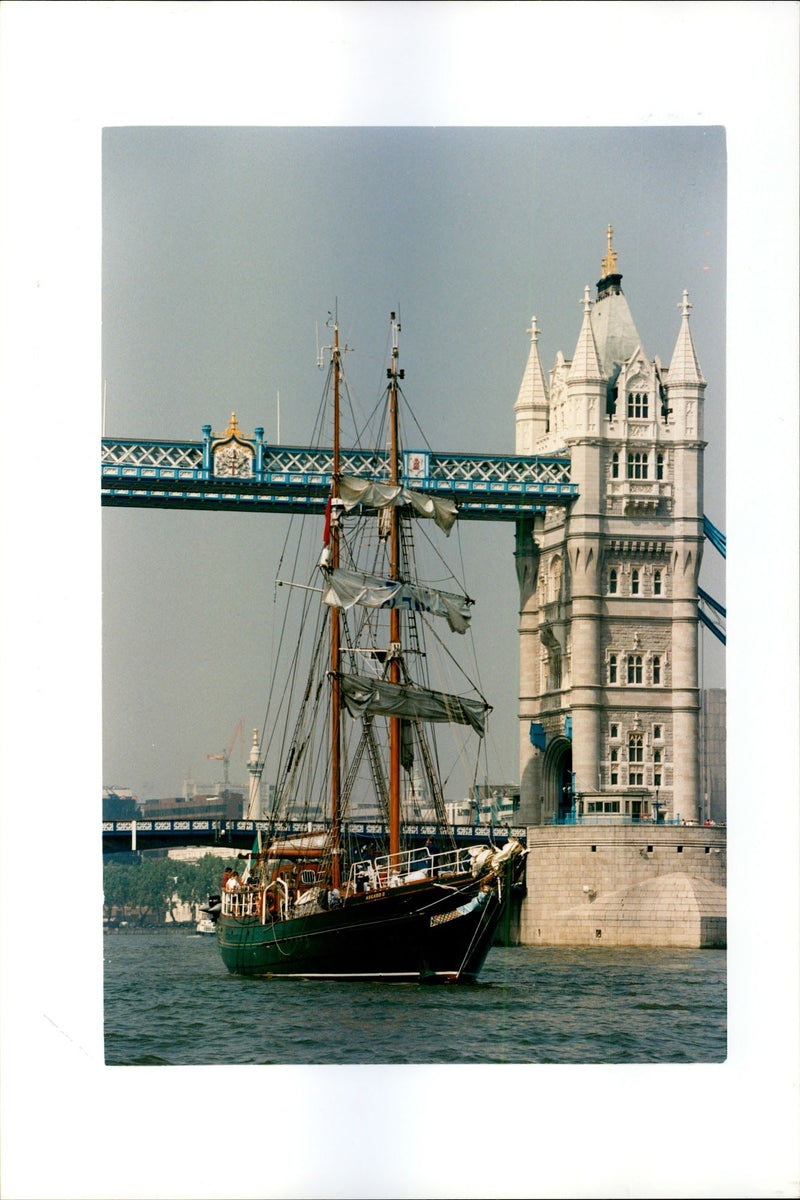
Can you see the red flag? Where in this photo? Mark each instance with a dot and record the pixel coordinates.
(326, 537)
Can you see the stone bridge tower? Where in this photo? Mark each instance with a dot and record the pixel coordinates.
(609, 700)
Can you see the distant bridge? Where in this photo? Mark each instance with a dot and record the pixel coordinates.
(129, 835)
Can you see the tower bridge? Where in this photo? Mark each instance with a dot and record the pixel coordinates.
(605, 490)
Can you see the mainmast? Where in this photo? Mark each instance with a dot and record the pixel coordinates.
(394, 617)
(336, 735)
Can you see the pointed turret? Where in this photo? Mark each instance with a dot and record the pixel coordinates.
(616, 335)
(586, 361)
(531, 406)
(582, 409)
(686, 386)
(684, 367)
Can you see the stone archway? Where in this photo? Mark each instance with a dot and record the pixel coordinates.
(557, 780)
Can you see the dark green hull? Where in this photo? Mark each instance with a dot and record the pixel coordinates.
(413, 933)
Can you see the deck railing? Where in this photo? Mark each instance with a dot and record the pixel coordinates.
(407, 866)
(243, 901)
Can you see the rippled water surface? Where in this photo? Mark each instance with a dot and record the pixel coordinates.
(169, 1000)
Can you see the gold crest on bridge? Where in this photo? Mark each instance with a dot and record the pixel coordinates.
(232, 455)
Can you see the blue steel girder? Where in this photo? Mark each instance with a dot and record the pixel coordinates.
(179, 475)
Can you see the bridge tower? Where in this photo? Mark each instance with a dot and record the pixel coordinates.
(609, 698)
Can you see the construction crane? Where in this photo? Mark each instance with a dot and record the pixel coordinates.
(225, 757)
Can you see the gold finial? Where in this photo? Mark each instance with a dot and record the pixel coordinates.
(609, 263)
(233, 430)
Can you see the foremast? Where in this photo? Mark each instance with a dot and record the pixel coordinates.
(394, 618)
(335, 666)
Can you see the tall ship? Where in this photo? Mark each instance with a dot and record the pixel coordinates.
(357, 716)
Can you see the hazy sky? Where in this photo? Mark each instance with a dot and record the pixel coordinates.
(221, 250)
(469, 246)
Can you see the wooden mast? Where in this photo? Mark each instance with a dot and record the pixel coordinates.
(336, 736)
(394, 617)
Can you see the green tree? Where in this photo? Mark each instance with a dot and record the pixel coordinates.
(209, 874)
(149, 886)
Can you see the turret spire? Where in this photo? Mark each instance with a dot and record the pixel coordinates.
(586, 361)
(531, 406)
(684, 367)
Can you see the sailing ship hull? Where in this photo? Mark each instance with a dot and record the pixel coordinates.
(416, 933)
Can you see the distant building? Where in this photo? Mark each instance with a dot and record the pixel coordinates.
(224, 806)
(119, 804)
(193, 854)
(460, 812)
(488, 804)
(496, 803)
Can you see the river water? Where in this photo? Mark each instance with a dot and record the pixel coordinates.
(169, 1000)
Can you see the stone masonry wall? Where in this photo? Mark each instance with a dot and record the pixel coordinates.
(625, 885)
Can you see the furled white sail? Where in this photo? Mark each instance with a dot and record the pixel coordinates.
(362, 695)
(353, 491)
(302, 841)
(344, 588)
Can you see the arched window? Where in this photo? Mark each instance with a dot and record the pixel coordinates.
(659, 466)
(634, 668)
(637, 404)
(612, 668)
(612, 581)
(613, 731)
(656, 668)
(637, 465)
(656, 583)
(615, 465)
(656, 768)
(634, 582)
